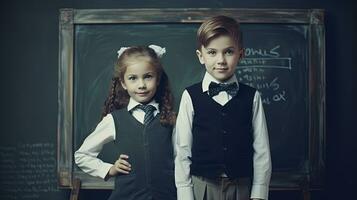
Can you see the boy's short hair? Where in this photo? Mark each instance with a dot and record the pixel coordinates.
(217, 26)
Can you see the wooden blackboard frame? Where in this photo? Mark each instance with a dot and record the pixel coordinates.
(314, 18)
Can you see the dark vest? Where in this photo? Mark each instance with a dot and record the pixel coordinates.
(222, 135)
(150, 154)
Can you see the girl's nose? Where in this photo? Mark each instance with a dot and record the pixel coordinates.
(142, 84)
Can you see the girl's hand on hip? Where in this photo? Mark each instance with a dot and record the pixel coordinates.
(121, 166)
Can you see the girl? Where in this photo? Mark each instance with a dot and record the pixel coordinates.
(138, 115)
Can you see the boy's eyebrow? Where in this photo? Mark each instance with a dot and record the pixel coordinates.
(210, 49)
(231, 47)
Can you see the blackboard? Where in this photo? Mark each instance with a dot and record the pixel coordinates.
(284, 60)
(28, 171)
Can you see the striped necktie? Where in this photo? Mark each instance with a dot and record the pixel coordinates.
(149, 112)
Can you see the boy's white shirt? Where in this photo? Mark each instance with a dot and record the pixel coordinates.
(183, 143)
(86, 156)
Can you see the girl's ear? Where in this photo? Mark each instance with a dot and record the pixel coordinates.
(199, 55)
(123, 84)
(158, 79)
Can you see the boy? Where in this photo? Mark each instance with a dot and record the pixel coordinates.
(221, 135)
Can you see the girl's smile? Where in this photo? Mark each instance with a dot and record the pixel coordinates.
(142, 93)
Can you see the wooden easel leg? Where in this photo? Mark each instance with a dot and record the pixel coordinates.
(76, 183)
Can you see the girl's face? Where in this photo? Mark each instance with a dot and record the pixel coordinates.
(140, 80)
(220, 57)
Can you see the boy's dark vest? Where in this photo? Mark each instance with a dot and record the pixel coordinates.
(222, 135)
(150, 154)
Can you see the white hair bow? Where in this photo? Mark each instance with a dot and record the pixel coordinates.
(121, 50)
(158, 50)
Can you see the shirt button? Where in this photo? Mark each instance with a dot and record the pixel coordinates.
(223, 114)
(224, 131)
(225, 148)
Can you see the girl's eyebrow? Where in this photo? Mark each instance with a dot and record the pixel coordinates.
(150, 72)
(146, 73)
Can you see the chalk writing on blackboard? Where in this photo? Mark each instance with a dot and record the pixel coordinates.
(273, 52)
(254, 69)
(28, 170)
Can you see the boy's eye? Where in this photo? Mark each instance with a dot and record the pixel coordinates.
(211, 52)
(230, 52)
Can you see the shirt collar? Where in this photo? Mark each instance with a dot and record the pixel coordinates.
(132, 104)
(208, 78)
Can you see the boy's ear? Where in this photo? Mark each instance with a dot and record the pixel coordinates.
(123, 84)
(241, 53)
(199, 55)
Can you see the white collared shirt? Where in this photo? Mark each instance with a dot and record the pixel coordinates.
(183, 143)
(86, 156)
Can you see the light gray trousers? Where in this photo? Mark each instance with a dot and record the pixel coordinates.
(221, 188)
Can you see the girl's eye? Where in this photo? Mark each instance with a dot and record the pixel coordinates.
(148, 76)
(131, 78)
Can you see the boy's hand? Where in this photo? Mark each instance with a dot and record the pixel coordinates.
(120, 166)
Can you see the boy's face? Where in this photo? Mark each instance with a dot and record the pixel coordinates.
(140, 81)
(220, 57)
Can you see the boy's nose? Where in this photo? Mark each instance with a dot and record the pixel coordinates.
(221, 59)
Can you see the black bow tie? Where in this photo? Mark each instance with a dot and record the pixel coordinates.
(216, 88)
